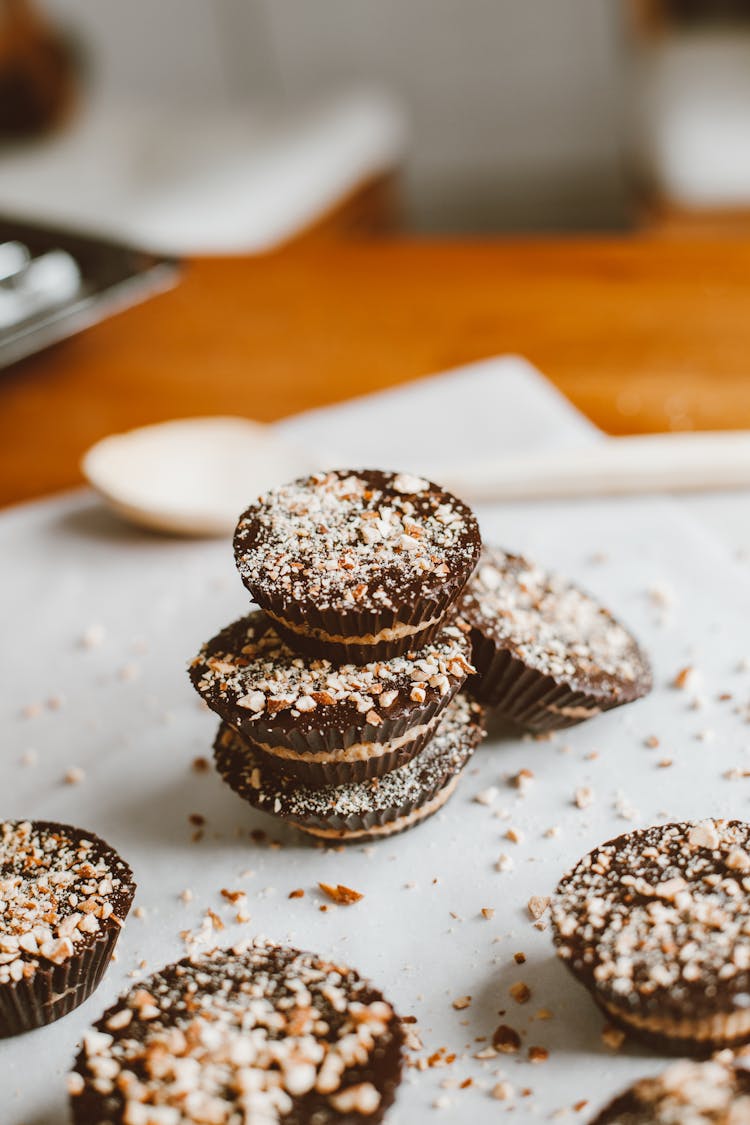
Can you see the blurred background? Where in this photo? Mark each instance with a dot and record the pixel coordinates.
(336, 197)
(145, 120)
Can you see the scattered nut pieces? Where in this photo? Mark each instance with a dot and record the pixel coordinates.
(522, 780)
(583, 797)
(92, 637)
(461, 1002)
(232, 896)
(537, 905)
(341, 895)
(506, 1039)
(686, 679)
(487, 796)
(520, 992)
(538, 1054)
(612, 1037)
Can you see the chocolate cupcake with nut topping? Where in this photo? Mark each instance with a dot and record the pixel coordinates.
(547, 654)
(64, 895)
(260, 1033)
(686, 1093)
(357, 565)
(366, 810)
(321, 723)
(656, 924)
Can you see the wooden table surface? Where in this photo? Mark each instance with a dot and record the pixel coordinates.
(642, 333)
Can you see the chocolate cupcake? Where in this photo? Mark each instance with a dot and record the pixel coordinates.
(686, 1093)
(259, 1033)
(359, 565)
(321, 723)
(365, 810)
(547, 654)
(656, 924)
(64, 895)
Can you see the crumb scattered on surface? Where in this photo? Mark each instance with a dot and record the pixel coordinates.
(506, 1039)
(583, 797)
(612, 1037)
(341, 895)
(487, 796)
(537, 905)
(520, 992)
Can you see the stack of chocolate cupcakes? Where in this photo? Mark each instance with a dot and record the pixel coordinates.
(339, 698)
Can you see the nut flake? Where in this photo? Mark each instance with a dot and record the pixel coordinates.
(341, 895)
(583, 797)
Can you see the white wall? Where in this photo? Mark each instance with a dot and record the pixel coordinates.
(514, 103)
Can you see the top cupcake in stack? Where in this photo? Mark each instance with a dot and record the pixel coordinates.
(357, 566)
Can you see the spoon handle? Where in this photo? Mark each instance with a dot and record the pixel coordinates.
(616, 466)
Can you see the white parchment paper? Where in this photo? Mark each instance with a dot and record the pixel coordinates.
(123, 712)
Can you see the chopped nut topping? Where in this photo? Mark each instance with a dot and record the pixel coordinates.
(550, 624)
(239, 1036)
(55, 892)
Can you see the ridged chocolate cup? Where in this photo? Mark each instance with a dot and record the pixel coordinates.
(535, 701)
(361, 810)
(344, 630)
(304, 768)
(685, 1045)
(52, 991)
(317, 747)
(527, 696)
(649, 923)
(426, 618)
